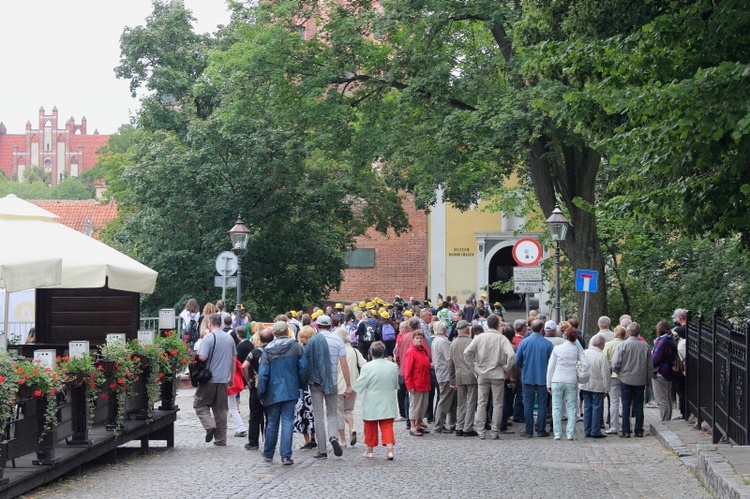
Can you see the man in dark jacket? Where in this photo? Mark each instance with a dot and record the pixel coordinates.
(282, 372)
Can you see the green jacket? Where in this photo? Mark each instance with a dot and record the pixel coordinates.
(379, 382)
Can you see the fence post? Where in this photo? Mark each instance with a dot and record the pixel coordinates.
(714, 431)
(745, 386)
(697, 367)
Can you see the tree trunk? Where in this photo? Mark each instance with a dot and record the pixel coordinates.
(573, 174)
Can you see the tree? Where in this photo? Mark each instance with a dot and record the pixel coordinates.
(233, 141)
(445, 101)
(671, 111)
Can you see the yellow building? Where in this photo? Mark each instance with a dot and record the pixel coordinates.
(469, 250)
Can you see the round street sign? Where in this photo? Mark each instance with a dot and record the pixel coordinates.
(527, 252)
(226, 263)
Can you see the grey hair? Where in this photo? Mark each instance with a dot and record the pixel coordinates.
(604, 322)
(634, 329)
(519, 324)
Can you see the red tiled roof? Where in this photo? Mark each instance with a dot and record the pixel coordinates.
(75, 214)
(90, 145)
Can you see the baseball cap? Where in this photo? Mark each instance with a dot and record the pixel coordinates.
(462, 324)
(550, 326)
(324, 320)
(280, 327)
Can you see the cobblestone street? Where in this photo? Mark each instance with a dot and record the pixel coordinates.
(430, 466)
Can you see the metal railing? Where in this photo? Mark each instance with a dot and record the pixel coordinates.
(717, 376)
(152, 323)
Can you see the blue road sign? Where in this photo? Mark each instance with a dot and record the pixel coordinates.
(586, 280)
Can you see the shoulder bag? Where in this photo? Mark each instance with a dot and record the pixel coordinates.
(199, 371)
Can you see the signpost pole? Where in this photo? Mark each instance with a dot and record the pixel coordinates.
(528, 304)
(583, 319)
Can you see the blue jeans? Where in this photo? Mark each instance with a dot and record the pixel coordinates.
(632, 397)
(283, 411)
(593, 408)
(529, 392)
(518, 414)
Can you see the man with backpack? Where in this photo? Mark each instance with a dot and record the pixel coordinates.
(366, 334)
(387, 334)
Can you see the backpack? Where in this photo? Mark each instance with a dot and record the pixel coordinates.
(353, 333)
(191, 331)
(388, 333)
(369, 335)
(677, 366)
(445, 317)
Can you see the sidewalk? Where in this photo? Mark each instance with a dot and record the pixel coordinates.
(723, 468)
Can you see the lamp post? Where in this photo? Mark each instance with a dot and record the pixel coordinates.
(558, 228)
(239, 235)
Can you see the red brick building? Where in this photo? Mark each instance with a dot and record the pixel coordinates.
(66, 150)
(388, 265)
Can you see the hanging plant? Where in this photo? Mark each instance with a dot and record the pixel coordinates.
(177, 354)
(82, 370)
(153, 357)
(8, 390)
(120, 374)
(36, 381)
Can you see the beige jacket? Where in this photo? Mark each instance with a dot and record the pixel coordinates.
(491, 354)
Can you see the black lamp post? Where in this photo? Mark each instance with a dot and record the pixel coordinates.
(558, 228)
(239, 234)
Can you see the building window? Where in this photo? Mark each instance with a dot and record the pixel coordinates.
(360, 258)
(48, 164)
(301, 31)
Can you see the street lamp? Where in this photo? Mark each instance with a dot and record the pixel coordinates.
(239, 234)
(558, 228)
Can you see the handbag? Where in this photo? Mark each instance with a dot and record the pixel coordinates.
(583, 373)
(199, 371)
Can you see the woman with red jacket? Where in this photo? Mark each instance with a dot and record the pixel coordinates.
(418, 381)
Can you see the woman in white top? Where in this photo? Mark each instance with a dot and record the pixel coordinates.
(355, 361)
(562, 381)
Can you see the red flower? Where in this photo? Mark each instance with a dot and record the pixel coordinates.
(52, 392)
(187, 337)
(173, 351)
(121, 381)
(21, 381)
(137, 359)
(105, 396)
(2, 379)
(168, 333)
(67, 358)
(37, 393)
(100, 367)
(128, 374)
(19, 370)
(161, 375)
(35, 372)
(113, 385)
(137, 378)
(184, 360)
(58, 358)
(92, 384)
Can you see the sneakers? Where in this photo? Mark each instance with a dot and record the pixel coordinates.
(611, 431)
(220, 444)
(251, 447)
(600, 435)
(240, 434)
(337, 450)
(287, 461)
(442, 429)
(353, 440)
(309, 445)
(543, 434)
(320, 455)
(399, 419)
(557, 438)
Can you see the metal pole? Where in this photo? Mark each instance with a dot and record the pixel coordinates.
(237, 318)
(528, 305)
(583, 319)
(557, 282)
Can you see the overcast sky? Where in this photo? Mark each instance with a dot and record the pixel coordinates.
(63, 53)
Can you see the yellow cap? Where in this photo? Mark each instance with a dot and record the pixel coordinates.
(408, 313)
(484, 295)
(294, 314)
(498, 304)
(339, 306)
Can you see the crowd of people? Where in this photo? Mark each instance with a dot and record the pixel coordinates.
(463, 370)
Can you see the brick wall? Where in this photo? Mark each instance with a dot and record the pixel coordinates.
(400, 263)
